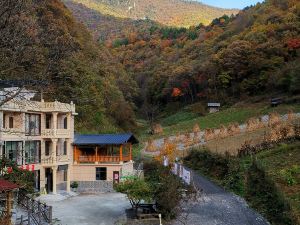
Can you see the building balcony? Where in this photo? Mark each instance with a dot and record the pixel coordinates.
(92, 159)
(60, 159)
(26, 105)
(11, 131)
(58, 133)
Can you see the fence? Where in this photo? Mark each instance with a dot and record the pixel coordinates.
(37, 213)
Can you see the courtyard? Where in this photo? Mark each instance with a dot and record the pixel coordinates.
(90, 209)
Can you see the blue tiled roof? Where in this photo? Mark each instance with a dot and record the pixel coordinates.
(104, 139)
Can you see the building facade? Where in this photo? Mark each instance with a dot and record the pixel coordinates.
(101, 160)
(38, 136)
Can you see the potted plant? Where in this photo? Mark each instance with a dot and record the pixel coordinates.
(74, 186)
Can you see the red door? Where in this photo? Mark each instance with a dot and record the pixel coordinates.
(116, 176)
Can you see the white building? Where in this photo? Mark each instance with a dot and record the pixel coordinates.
(38, 136)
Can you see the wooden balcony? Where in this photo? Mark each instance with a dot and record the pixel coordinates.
(101, 159)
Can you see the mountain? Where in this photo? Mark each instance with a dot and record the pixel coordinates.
(106, 27)
(253, 53)
(47, 44)
(177, 13)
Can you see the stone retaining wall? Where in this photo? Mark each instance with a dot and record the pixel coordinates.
(99, 186)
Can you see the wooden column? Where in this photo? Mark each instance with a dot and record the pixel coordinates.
(130, 151)
(9, 206)
(96, 160)
(75, 154)
(121, 153)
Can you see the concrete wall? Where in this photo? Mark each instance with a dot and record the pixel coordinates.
(88, 172)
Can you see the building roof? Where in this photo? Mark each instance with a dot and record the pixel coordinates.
(6, 185)
(104, 139)
(213, 104)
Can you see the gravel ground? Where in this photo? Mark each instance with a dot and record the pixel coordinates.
(218, 207)
(100, 209)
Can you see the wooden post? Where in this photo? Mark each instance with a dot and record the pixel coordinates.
(121, 153)
(96, 154)
(8, 206)
(130, 151)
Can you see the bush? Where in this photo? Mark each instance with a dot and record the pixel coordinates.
(264, 196)
(167, 188)
(74, 185)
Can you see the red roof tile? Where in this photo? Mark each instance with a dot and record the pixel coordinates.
(6, 185)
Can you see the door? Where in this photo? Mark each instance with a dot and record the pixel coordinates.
(49, 181)
(116, 176)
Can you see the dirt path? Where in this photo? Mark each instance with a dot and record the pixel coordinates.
(218, 207)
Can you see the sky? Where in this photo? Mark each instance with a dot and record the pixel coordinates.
(240, 4)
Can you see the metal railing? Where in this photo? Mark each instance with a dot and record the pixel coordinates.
(37, 213)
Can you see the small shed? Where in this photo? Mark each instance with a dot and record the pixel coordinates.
(213, 107)
(276, 101)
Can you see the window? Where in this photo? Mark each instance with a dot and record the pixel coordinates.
(65, 175)
(14, 151)
(32, 152)
(11, 122)
(101, 173)
(65, 123)
(48, 121)
(47, 148)
(65, 148)
(32, 124)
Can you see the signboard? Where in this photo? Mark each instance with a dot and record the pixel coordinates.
(29, 167)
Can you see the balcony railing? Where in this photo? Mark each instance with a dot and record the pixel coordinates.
(48, 133)
(38, 106)
(101, 159)
(58, 159)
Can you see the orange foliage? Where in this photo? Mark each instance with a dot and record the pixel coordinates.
(169, 150)
(166, 43)
(176, 92)
(294, 43)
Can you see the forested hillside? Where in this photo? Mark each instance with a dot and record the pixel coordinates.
(253, 53)
(106, 27)
(178, 13)
(48, 45)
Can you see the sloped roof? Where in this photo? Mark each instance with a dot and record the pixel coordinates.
(6, 185)
(104, 139)
(213, 104)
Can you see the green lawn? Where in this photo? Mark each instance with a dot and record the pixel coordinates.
(184, 120)
(283, 166)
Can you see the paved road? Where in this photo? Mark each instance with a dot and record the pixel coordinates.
(219, 207)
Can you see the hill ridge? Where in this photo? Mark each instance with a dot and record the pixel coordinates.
(177, 13)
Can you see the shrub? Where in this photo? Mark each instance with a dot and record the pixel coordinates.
(74, 185)
(264, 196)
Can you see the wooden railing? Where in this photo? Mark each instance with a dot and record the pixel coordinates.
(101, 159)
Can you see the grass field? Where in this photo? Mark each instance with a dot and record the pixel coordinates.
(184, 120)
(283, 166)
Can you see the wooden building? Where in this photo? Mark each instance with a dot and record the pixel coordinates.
(213, 107)
(103, 157)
